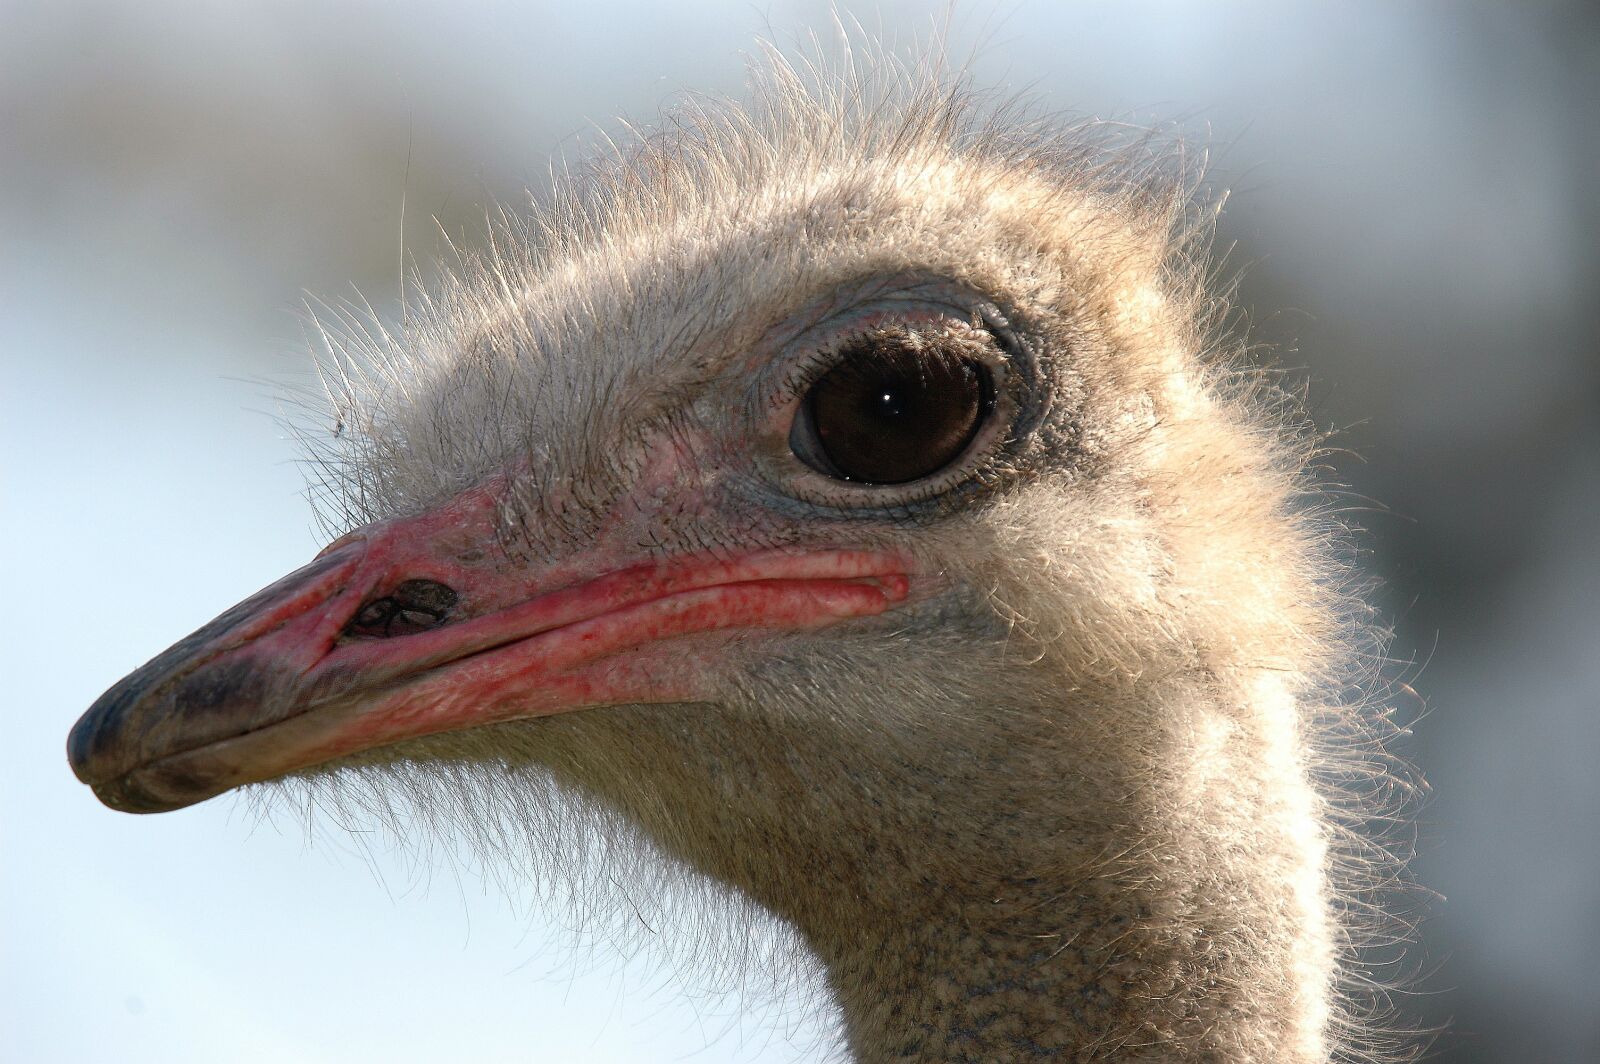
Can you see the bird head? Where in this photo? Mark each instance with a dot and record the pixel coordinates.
(842, 477)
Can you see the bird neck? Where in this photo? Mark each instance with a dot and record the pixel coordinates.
(1188, 914)
(975, 980)
(1051, 966)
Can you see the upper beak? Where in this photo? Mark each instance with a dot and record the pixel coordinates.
(413, 627)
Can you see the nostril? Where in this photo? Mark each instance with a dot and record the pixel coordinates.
(414, 606)
(375, 614)
(407, 622)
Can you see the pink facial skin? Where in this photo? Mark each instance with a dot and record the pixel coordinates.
(287, 681)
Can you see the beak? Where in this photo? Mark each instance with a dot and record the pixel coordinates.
(425, 625)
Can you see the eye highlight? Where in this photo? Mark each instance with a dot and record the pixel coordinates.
(897, 407)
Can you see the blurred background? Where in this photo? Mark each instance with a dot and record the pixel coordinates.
(1414, 202)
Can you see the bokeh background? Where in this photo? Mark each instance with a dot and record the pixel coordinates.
(1414, 202)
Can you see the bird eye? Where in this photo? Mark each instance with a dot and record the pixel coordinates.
(892, 411)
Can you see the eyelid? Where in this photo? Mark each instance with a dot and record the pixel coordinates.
(817, 355)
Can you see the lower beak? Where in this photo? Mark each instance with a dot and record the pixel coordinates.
(405, 630)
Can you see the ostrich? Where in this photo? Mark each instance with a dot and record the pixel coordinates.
(854, 492)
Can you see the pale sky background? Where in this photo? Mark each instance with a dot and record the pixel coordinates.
(1414, 195)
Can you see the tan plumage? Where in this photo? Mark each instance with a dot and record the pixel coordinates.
(1062, 807)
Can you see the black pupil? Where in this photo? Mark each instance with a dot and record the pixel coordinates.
(891, 414)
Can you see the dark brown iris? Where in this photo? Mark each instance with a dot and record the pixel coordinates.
(891, 411)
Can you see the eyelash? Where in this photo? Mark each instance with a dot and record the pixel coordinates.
(822, 357)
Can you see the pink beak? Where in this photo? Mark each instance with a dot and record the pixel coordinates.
(409, 628)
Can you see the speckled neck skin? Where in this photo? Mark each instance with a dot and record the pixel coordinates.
(1116, 962)
(986, 981)
(1048, 971)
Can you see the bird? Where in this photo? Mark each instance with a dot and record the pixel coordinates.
(862, 496)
